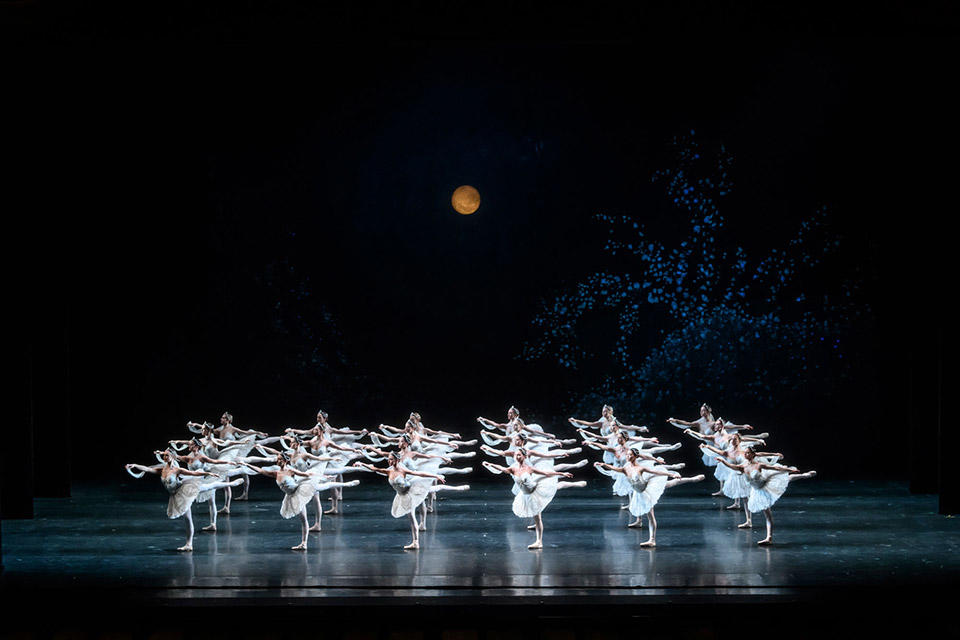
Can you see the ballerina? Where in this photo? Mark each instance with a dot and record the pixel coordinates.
(221, 450)
(298, 488)
(411, 492)
(647, 484)
(319, 444)
(620, 455)
(534, 494)
(719, 437)
(736, 486)
(195, 460)
(343, 437)
(417, 423)
(767, 483)
(513, 424)
(184, 486)
(606, 423)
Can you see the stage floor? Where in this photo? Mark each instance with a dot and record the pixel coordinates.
(828, 535)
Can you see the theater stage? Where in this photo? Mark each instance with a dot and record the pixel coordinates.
(860, 545)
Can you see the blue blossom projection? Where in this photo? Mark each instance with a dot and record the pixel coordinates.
(750, 329)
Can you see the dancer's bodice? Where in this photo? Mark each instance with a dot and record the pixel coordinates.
(526, 482)
(171, 482)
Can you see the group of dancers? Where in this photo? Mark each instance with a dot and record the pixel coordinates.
(307, 462)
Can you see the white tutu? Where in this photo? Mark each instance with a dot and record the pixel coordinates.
(182, 498)
(296, 496)
(534, 493)
(410, 494)
(646, 491)
(736, 486)
(766, 487)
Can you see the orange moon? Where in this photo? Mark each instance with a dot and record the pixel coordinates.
(465, 200)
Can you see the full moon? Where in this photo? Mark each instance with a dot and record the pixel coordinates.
(465, 200)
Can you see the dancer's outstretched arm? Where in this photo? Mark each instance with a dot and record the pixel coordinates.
(593, 444)
(496, 468)
(437, 432)
(375, 449)
(490, 423)
(301, 432)
(154, 469)
(495, 452)
(417, 454)
(767, 454)
(680, 424)
(263, 472)
(713, 449)
(584, 423)
(549, 473)
(386, 427)
(553, 454)
(642, 439)
(436, 477)
(349, 432)
(340, 448)
(653, 458)
(735, 467)
(698, 436)
(760, 437)
(633, 427)
(539, 432)
(188, 472)
(587, 435)
(432, 441)
(370, 467)
(778, 467)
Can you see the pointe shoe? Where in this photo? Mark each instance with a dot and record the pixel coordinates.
(352, 483)
(300, 547)
(648, 543)
(733, 506)
(535, 545)
(315, 527)
(413, 546)
(765, 542)
(531, 526)
(210, 527)
(635, 525)
(225, 511)
(744, 525)
(186, 547)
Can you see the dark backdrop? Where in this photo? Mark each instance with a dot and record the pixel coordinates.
(186, 179)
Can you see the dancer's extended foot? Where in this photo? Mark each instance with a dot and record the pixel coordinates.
(536, 545)
(332, 511)
(412, 546)
(745, 525)
(242, 498)
(186, 547)
(315, 527)
(649, 543)
(635, 524)
(300, 547)
(717, 493)
(210, 527)
(531, 526)
(624, 506)
(225, 511)
(765, 541)
(733, 506)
